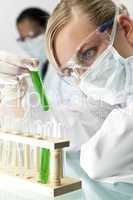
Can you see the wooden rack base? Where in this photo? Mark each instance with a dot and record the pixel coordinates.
(26, 178)
(23, 184)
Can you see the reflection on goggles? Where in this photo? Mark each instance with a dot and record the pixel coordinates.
(95, 44)
(87, 54)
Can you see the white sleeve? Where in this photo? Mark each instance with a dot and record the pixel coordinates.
(110, 151)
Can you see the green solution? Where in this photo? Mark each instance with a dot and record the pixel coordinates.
(38, 85)
(44, 153)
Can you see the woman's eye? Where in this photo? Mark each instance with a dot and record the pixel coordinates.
(86, 56)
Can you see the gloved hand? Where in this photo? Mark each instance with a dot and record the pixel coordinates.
(11, 66)
(13, 85)
(12, 72)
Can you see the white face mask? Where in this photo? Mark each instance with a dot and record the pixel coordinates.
(35, 48)
(110, 78)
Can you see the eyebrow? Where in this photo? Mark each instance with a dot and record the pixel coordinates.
(106, 25)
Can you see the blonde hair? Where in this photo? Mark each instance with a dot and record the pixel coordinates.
(98, 11)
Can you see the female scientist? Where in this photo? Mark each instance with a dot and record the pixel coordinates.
(93, 42)
(91, 45)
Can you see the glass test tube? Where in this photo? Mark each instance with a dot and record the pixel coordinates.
(44, 153)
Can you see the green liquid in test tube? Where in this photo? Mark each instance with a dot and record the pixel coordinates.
(44, 153)
(38, 85)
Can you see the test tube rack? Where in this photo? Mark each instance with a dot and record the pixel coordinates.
(58, 184)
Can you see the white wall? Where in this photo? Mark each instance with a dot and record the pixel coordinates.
(9, 9)
(129, 4)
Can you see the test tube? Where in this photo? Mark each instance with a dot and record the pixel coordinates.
(14, 160)
(7, 161)
(20, 148)
(27, 152)
(38, 85)
(44, 153)
(17, 129)
(44, 165)
(26, 159)
(37, 161)
(1, 151)
(4, 156)
(38, 135)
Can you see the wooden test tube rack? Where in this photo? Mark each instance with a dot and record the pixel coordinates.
(58, 185)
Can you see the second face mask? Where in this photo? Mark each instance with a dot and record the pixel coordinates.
(35, 48)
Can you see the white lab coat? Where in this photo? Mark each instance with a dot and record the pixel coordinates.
(109, 153)
(104, 134)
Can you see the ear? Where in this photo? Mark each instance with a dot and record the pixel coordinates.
(127, 25)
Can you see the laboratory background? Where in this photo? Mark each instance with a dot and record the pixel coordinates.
(10, 9)
(8, 13)
(93, 190)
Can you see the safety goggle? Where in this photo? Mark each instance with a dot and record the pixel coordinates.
(90, 50)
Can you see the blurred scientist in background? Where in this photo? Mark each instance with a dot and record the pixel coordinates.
(31, 25)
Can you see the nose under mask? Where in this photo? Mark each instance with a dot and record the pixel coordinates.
(110, 78)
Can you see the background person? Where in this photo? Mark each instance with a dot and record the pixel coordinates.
(31, 25)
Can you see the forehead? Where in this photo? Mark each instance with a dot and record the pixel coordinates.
(71, 36)
(26, 26)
